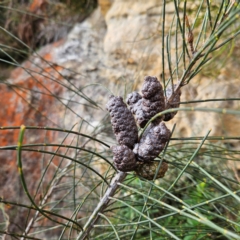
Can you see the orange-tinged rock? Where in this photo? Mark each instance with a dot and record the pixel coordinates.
(29, 97)
(37, 5)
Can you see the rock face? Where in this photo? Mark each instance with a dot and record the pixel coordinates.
(66, 82)
(28, 98)
(197, 123)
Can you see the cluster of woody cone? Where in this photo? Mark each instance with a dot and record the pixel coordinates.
(133, 154)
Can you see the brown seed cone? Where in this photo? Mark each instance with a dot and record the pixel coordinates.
(150, 104)
(123, 122)
(152, 142)
(148, 170)
(134, 100)
(124, 158)
(151, 87)
(153, 96)
(174, 102)
(153, 100)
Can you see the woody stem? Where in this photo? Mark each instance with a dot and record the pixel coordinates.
(119, 178)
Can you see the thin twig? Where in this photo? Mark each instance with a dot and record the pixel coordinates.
(50, 190)
(119, 178)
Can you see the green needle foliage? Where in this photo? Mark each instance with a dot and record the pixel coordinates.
(80, 194)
